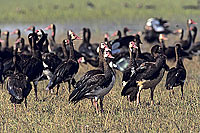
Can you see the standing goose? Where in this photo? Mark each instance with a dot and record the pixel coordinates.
(122, 43)
(186, 44)
(53, 34)
(56, 48)
(97, 86)
(91, 73)
(18, 85)
(6, 52)
(67, 69)
(87, 49)
(122, 58)
(170, 50)
(20, 40)
(148, 75)
(126, 30)
(32, 65)
(145, 56)
(176, 75)
(181, 32)
(94, 46)
(195, 49)
(53, 46)
(130, 70)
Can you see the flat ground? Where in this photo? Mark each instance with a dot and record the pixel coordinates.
(54, 113)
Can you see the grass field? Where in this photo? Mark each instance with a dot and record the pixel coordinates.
(55, 114)
(28, 11)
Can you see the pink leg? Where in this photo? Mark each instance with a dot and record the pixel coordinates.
(15, 107)
(96, 105)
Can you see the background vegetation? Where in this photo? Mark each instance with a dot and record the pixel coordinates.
(63, 11)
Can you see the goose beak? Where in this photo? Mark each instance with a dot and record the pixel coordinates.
(5, 33)
(29, 28)
(110, 56)
(77, 37)
(193, 22)
(18, 41)
(1, 41)
(47, 28)
(106, 36)
(162, 37)
(14, 32)
(114, 34)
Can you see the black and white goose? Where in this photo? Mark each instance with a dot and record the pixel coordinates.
(176, 75)
(130, 70)
(170, 50)
(96, 86)
(66, 71)
(98, 70)
(86, 48)
(148, 75)
(18, 85)
(186, 44)
(195, 48)
(121, 44)
(121, 59)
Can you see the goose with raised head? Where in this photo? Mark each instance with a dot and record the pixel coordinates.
(86, 48)
(66, 71)
(176, 75)
(6, 52)
(170, 50)
(195, 48)
(186, 44)
(125, 30)
(147, 75)
(96, 86)
(130, 70)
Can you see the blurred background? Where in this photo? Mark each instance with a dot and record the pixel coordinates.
(100, 15)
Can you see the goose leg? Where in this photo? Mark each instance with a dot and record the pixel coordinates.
(73, 82)
(152, 90)
(69, 85)
(101, 104)
(35, 89)
(172, 92)
(181, 91)
(92, 102)
(15, 107)
(58, 86)
(25, 102)
(96, 105)
(138, 95)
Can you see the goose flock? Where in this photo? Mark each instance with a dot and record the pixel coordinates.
(45, 59)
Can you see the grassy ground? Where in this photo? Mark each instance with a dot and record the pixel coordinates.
(28, 11)
(55, 114)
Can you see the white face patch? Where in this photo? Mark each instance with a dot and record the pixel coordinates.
(124, 83)
(45, 65)
(111, 64)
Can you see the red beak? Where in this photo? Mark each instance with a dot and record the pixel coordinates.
(110, 56)
(114, 34)
(47, 28)
(77, 37)
(193, 22)
(29, 28)
(14, 32)
(1, 40)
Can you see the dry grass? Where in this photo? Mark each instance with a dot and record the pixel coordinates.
(55, 114)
